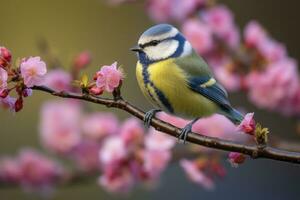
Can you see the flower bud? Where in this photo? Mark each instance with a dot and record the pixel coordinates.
(95, 77)
(27, 92)
(82, 60)
(5, 57)
(247, 125)
(236, 158)
(96, 91)
(4, 93)
(19, 104)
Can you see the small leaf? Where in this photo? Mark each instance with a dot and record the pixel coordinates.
(261, 134)
(84, 80)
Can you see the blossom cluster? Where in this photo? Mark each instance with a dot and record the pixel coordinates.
(97, 142)
(202, 170)
(30, 72)
(125, 153)
(273, 83)
(31, 170)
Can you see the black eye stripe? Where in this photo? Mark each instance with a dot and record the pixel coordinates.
(151, 43)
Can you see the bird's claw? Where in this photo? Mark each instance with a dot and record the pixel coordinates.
(184, 133)
(148, 117)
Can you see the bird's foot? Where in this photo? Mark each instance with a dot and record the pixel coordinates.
(148, 117)
(185, 131)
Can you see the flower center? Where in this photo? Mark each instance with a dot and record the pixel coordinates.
(32, 72)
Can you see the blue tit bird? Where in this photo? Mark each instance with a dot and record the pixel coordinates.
(175, 79)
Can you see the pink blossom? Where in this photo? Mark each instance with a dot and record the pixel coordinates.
(37, 171)
(199, 35)
(109, 77)
(132, 132)
(113, 151)
(82, 60)
(236, 158)
(231, 37)
(219, 18)
(122, 181)
(269, 88)
(58, 80)
(155, 162)
(98, 125)
(9, 170)
(221, 21)
(196, 175)
(3, 79)
(165, 10)
(180, 10)
(33, 71)
(158, 141)
(159, 10)
(86, 156)
(254, 34)
(247, 125)
(59, 126)
(272, 51)
(291, 105)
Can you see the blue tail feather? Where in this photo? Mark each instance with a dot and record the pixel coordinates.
(234, 115)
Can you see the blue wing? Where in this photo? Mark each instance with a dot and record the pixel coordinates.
(209, 88)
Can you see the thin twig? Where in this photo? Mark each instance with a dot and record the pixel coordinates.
(267, 152)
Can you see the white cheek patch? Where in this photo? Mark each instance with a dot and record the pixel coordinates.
(162, 51)
(187, 49)
(169, 34)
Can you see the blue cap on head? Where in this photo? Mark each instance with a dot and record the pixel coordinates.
(158, 32)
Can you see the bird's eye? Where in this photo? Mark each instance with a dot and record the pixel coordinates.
(154, 42)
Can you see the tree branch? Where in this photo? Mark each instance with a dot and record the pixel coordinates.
(267, 152)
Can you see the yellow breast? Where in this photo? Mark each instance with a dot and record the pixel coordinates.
(171, 81)
(146, 88)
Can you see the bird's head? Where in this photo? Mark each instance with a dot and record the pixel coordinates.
(161, 42)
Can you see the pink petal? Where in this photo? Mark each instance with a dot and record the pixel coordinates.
(248, 124)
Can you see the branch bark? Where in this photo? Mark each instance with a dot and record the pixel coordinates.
(266, 152)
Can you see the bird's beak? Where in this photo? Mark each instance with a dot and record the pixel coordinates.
(136, 48)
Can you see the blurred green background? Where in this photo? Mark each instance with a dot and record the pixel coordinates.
(108, 33)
